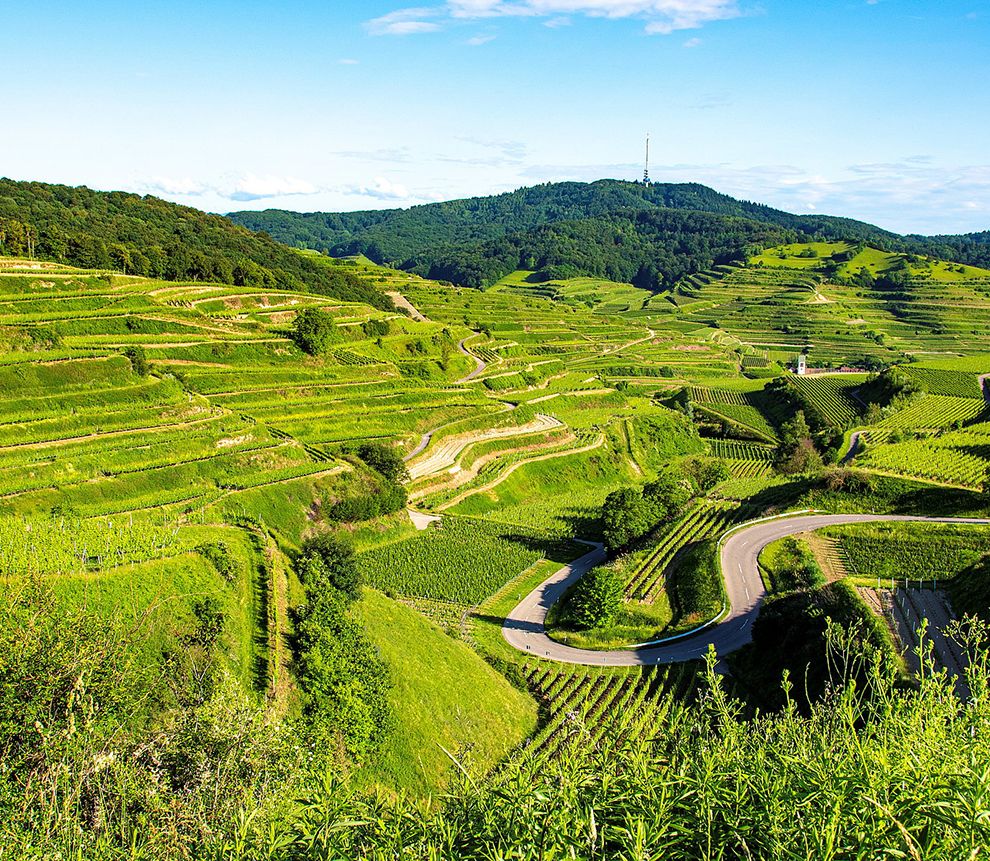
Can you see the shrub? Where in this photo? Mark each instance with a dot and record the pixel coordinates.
(325, 562)
(315, 332)
(385, 459)
(595, 600)
(139, 362)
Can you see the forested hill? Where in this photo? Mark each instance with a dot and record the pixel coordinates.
(652, 249)
(971, 248)
(396, 235)
(148, 236)
(549, 227)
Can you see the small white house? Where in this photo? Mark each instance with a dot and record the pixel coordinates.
(802, 365)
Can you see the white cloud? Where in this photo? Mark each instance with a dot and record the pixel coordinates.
(242, 187)
(475, 41)
(251, 187)
(179, 187)
(381, 189)
(348, 61)
(661, 16)
(405, 22)
(692, 43)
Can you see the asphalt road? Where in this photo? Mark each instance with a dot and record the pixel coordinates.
(524, 627)
(479, 364)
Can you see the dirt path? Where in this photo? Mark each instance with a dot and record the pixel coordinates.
(402, 302)
(853, 447)
(496, 482)
(445, 454)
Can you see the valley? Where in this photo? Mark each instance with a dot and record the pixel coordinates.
(436, 536)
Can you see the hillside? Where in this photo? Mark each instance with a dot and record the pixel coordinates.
(170, 448)
(157, 239)
(576, 228)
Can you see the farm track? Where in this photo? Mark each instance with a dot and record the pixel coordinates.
(403, 302)
(480, 363)
(524, 628)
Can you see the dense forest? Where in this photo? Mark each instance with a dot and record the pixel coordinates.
(649, 248)
(971, 248)
(475, 241)
(396, 235)
(148, 236)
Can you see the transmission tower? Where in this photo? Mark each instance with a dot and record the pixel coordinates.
(646, 169)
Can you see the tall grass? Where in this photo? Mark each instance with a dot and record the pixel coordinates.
(900, 773)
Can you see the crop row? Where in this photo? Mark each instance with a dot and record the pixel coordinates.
(935, 411)
(944, 382)
(456, 559)
(830, 397)
(731, 449)
(585, 708)
(59, 545)
(702, 521)
(929, 459)
(702, 395)
(912, 551)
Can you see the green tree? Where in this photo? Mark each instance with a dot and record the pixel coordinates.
(596, 599)
(139, 362)
(625, 517)
(315, 331)
(706, 472)
(385, 459)
(325, 562)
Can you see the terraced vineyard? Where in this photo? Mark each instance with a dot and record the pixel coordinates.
(745, 460)
(832, 398)
(702, 521)
(937, 381)
(936, 411)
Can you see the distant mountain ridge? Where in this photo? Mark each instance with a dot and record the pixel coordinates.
(474, 241)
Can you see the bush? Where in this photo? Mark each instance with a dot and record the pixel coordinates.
(375, 328)
(595, 600)
(386, 499)
(385, 459)
(315, 332)
(697, 582)
(139, 362)
(324, 563)
(218, 555)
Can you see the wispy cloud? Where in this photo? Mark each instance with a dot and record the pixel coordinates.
(475, 41)
(238, 187)
(380, 189)
(348, 61)
(406, 22)
(660, 16)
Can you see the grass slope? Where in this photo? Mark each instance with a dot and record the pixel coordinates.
(445, 697)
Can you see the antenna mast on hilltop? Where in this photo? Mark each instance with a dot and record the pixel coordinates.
(646, 170)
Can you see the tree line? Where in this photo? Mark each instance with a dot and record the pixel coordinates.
(154, 238)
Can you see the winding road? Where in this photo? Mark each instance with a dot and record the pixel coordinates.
(740, 549)
(480, 365)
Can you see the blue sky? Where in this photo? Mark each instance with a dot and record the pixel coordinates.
(875, 110)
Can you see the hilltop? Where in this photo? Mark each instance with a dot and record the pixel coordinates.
(154, 238)
(574, 228)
